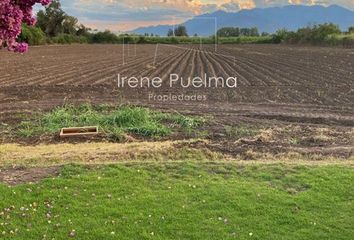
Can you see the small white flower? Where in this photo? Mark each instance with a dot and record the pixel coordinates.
(72, 233)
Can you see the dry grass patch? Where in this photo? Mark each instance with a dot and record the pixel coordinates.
(165, 151)
(97, 153)
(290, 158)
(322, 135)
(266, 135)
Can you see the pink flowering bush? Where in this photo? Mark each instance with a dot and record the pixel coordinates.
(12, 14)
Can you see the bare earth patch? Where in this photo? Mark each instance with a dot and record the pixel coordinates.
(15, 176)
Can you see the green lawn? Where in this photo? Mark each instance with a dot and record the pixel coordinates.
(183, 201)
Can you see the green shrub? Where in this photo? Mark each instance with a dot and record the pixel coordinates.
(245, 40)
(64, 38)
(315, 34)
(141, 40)
(32, 35)
(104, 37)
(340, 39)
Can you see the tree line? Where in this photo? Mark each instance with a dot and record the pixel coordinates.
(315, 34)
(55, 26)
(237, 32)
(181, 31)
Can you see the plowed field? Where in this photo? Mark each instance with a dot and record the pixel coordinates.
(274, 82)
(277, 85)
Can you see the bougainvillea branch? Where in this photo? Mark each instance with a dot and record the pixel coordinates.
(12, 14)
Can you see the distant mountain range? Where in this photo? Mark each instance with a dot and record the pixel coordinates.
(268, 20)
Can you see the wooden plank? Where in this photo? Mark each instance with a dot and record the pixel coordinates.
(78, 131)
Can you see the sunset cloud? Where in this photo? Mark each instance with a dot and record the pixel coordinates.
(124, 15)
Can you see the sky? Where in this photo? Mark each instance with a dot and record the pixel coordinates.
(125, 15)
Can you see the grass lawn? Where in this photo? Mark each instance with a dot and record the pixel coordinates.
(183, 201)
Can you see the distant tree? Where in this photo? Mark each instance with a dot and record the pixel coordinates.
(323, 30)
(316, 33)
(280, 35)
(170, 33)
(264, 34)
(311, 34)
(51, 20)
(54, 21)
(236, 32)
(82, 30)
(249, 32)
(254, 32)
(105, 37)
(351, 29)
(70, 25)
(142, 39)
(244, 31)
(228, 32)
(181, 31)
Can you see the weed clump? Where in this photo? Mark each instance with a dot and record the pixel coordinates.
(114, 122)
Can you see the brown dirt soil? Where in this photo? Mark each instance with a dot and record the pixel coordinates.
(15, 176)
(269, 76)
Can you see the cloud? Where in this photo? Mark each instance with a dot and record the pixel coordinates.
(128, 14)
(191, 6)
(267, 3)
